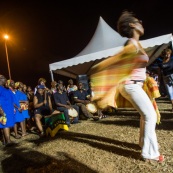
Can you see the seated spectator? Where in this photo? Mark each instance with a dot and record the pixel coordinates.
(43, 106)
(99, 111)
(82, 98)
(63, 104)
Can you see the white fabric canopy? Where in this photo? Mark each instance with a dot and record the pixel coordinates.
(104, 43)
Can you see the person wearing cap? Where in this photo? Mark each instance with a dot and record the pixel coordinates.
(42, 106)
(42, 81)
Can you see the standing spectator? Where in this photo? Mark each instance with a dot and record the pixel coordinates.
(53, 87)
(24, 89)
(6, 109)
(30, 95)
(23, 103)
(71, 87)
(64, 88)
(167, 73)
(19, 118)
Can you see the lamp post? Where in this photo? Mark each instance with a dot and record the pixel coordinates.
(6, 38)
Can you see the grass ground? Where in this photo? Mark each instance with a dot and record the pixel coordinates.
(106, 146)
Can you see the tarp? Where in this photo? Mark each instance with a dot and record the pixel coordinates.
(104, 43)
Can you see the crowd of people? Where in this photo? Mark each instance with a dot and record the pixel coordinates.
(25, 108)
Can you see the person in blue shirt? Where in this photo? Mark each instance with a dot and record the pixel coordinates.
(7, 109)
(23, 100)
(81, 99)
(19, 118)
(63, 104)
(157, 67)
(166, 68)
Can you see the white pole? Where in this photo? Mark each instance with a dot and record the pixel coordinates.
(7, 60)
(51, 73)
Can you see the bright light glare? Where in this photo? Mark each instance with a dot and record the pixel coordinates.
(6, 37)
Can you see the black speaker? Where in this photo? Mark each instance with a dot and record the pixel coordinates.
(84, 80)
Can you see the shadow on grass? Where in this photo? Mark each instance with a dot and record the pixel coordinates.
(165, 125)
(114, 146)
(123, 122)
(166, 122)
(29, 161)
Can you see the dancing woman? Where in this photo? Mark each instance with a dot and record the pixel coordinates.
(125, 73)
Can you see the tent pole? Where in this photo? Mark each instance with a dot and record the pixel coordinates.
(51, 73)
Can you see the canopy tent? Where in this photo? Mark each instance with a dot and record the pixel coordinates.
(104, 43)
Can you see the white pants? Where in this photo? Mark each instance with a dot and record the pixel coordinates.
(141, 102)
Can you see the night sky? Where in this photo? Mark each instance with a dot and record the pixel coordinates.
(44, 32)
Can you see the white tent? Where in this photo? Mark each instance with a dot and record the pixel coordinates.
(104, 43)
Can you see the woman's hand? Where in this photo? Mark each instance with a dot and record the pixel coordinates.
(19, 109)
(68, 107)
(86, 102)
(1, 111)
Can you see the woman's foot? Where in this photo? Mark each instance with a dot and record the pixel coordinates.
(25, 134)
(42, 134)
(10, 144)
(159, 159)
(17, 137)
(95, 118)
(33, 128)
